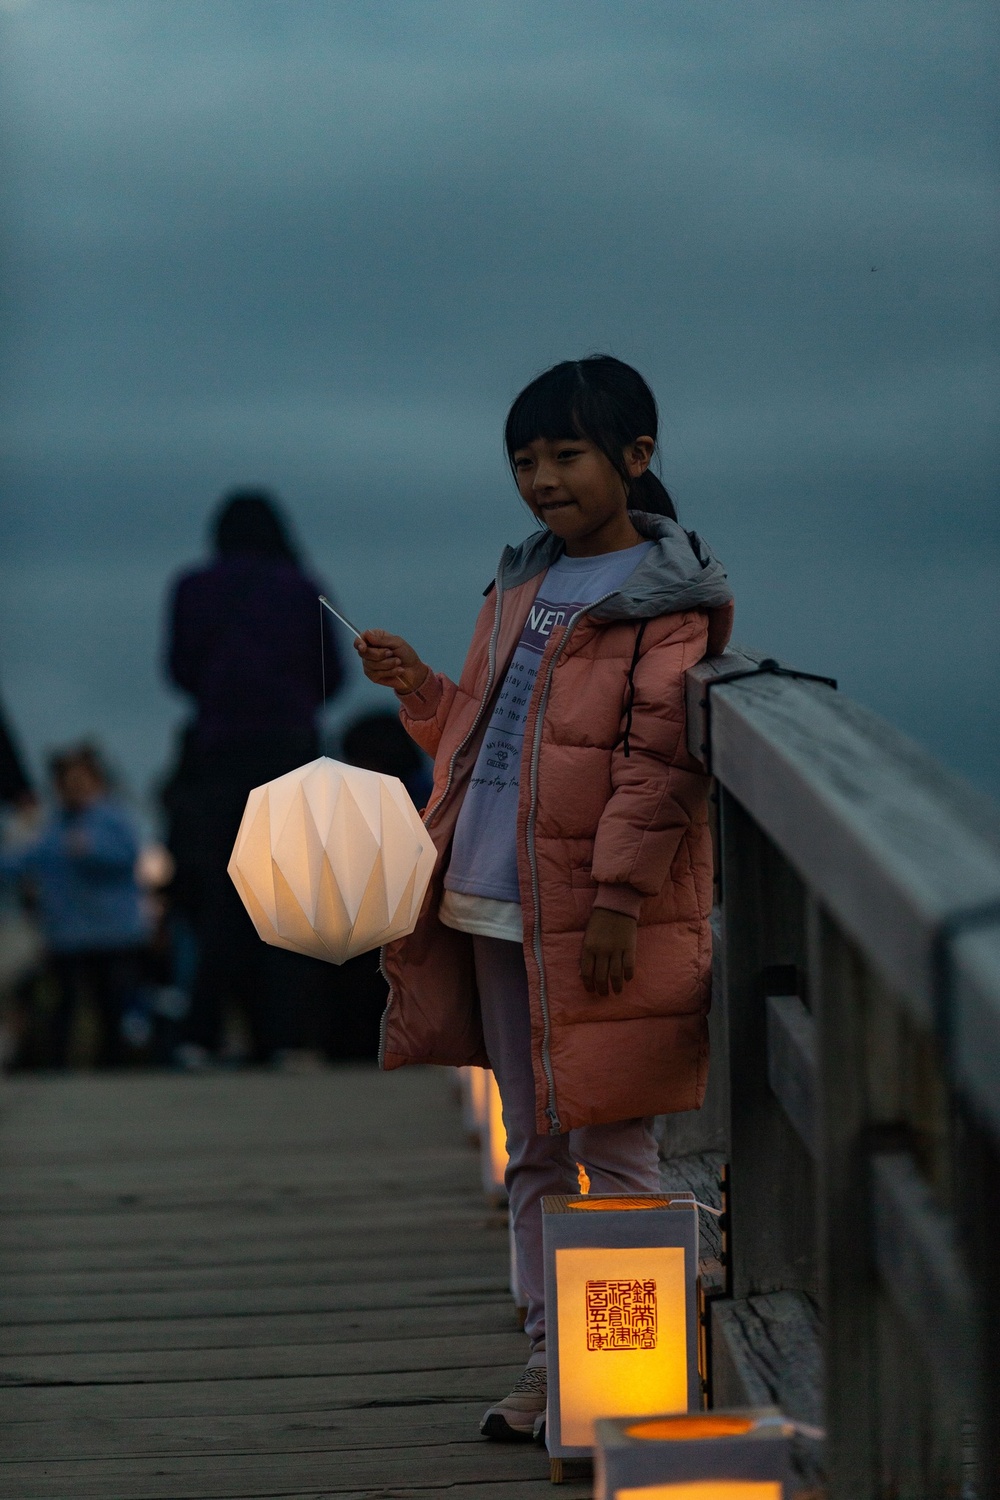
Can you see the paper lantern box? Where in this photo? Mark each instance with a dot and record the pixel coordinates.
(472, 1083)
(716, 1455)
(621, 1319)
(493, 1144)
(331, 860)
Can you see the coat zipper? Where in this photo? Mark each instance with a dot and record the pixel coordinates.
(536, 745)
(432, 814)
(490, 675)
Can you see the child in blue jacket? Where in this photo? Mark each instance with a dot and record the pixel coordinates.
(81, 870)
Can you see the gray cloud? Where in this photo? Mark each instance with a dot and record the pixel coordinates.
(323, 245)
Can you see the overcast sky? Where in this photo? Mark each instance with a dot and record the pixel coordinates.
(320, 244)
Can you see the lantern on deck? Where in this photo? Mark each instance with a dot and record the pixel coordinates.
(516, 1289)
(331, 860)
(493, 1143)
(472, 1088)
(717, 1455)
(621, 1312)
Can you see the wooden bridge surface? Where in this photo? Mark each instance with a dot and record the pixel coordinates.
(251, 1285)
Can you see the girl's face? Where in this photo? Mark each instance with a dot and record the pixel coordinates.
(575, 490)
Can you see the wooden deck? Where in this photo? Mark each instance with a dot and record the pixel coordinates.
(251, 1285)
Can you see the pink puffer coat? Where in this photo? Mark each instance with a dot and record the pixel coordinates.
(596, 826)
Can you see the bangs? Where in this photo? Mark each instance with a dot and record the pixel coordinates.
(548, 408)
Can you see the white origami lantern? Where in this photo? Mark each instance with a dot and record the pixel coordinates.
(331, 860)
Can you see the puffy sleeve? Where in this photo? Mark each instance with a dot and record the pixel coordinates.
(425, 712)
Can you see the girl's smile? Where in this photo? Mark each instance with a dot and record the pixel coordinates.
(575, 490)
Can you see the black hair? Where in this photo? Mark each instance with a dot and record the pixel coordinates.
(250, 522)
(599, 398)
(84, 754)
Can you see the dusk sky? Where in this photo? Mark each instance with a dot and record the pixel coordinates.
(321, 244)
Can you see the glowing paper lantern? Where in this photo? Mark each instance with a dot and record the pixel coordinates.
(331, 860)
(516, 1290)
(472, 1083)
(718, 1455)
(621, 1312)
(493, 1143)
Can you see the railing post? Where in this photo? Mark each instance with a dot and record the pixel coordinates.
(773, 1189)
(848, 1291)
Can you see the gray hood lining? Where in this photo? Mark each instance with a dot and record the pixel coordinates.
(679, 572)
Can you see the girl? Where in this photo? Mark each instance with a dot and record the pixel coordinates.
(565, 940)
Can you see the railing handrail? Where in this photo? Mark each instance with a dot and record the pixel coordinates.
(905, 855)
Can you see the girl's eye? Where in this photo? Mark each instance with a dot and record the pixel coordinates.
(569, 453)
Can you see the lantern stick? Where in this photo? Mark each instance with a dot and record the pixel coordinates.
(338, 616)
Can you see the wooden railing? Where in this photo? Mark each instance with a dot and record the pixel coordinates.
(855, 1085)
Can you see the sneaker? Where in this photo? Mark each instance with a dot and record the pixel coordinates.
(513, 1419)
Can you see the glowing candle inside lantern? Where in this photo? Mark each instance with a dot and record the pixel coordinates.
(730, 1455)
(478, 1093)
(705, 1489)
(493, 1141)
(472, 1085)
(622, 1335)
(620, 1280)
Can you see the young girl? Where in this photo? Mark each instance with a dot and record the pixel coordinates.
(564, 941)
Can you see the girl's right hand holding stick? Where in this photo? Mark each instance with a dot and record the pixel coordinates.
(390, 661)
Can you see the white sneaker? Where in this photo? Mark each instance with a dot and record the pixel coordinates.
(513, 1420)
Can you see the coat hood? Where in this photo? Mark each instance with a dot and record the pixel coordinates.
(679, 573)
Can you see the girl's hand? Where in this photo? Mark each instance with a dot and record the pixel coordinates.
(608, 951)
(390, 661)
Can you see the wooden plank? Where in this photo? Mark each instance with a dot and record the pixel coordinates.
(888, 840)
(443, 1316)
(791, 1064)
(921, 1270)
(319, 1296)
(767, 1351)
(208, 1400)
(344, 1358)
(772, 1201)
(848, 1293)
(234, 1476)
(975, 1021)
(108, 1437)
(137, 1234)
(243, 1275)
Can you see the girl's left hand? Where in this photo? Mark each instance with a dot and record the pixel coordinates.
(608, 951)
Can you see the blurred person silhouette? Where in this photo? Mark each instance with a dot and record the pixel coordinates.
(246, 641)
(81, 870)
(15, 787)
(378, 742)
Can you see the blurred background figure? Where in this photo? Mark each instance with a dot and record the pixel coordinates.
(378, 742)
(80, 868)
(15, 788)
(20, 948)
(246, 641)
(357, 990)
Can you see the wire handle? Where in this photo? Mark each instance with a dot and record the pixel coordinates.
(338, 616)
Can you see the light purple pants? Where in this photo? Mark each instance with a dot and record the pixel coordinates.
(619, 1158)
